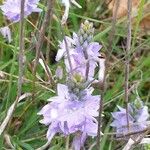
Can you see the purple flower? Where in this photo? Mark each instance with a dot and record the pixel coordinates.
(5, 31)
(78, 59)
(82, 51)
(137, 116)
(11, 8)
(71, 112)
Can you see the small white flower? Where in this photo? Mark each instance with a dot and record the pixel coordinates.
(5, 31)
(67, 6)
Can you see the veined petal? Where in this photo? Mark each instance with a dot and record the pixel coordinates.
(60, 54)
(62, 90)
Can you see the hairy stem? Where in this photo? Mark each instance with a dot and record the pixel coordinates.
(102, 83)
(128, 47)
(40, 39)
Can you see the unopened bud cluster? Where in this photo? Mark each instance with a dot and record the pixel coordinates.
(86, 33)
(77, 88)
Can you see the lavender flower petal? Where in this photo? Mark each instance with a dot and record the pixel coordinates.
(11, 9)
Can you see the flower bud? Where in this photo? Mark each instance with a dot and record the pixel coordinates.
(86, 33)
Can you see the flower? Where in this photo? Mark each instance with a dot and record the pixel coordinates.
(5, 31)
(82, 51)
(11, 8)
(67, 6)
(71, 112)
(137, 116)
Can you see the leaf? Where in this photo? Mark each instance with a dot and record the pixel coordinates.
(25, 145)
(30, 121)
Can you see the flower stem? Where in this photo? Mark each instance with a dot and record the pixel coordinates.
(128, 47)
